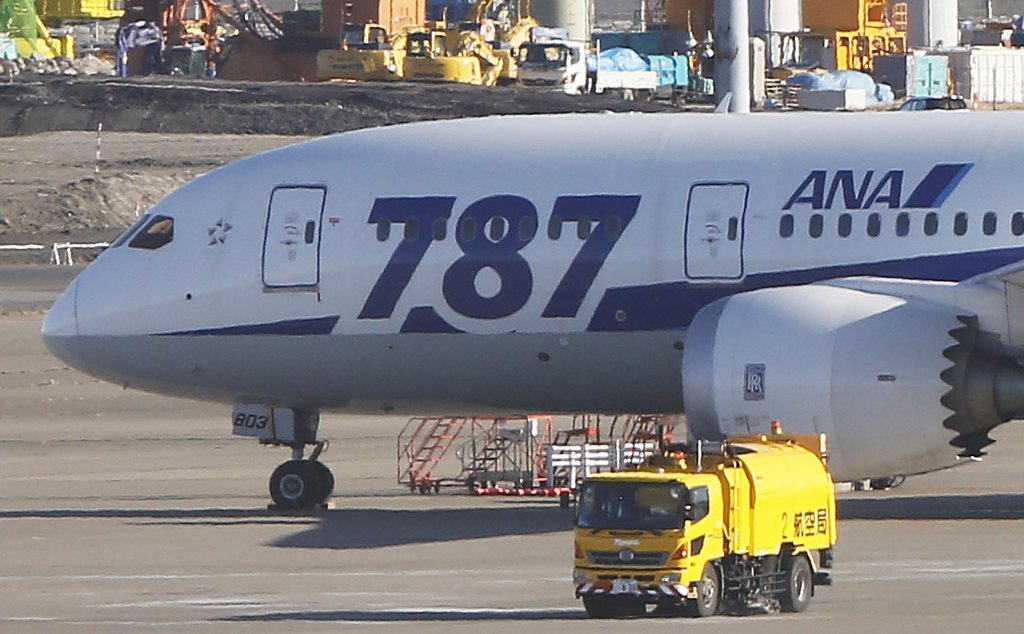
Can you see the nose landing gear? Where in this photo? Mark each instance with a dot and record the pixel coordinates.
(301, 483)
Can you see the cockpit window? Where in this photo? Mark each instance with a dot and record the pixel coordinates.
(155, 234)
(121, 239)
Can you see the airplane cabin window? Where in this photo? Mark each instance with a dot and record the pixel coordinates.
(613, 228)
(988, 223)
(467, 229)
(931, 223)
(412, 230)
(786, 225)
(583, 228)
(440, 229)
(527, 228)
(845, 225)
(734, 228)
(157, 232)
(816, 226)
(496, 229)
(874, 225)
(902, 224)
(555, 227)
(1017, 223)
(383, 230)
(960, 223)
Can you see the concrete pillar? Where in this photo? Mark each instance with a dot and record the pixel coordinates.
(732, 53)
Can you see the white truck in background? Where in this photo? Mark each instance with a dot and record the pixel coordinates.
(554, 63)
(565, 63)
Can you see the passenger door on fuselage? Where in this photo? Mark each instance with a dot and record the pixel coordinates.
(291, 244)
(713, 241)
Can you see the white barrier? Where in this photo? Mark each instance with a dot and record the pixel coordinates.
(60, 252)
(583, 460)
(66, 247)
(21, 247)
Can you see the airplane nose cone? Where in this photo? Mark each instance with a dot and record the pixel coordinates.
(60, 328)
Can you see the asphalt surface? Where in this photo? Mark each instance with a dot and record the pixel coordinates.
(121, 511)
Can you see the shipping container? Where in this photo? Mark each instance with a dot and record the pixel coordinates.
(988, 74)
(893, 71)
(393, 15)
(927, 76)
(832, 15)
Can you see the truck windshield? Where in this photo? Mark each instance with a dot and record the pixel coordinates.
(631, 505)
(552, 56)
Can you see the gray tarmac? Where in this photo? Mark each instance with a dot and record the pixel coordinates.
(121, 511)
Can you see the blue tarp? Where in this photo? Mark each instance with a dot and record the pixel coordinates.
(621, 59)
(844, 80)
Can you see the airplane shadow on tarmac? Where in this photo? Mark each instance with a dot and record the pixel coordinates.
(996, 506)
(346, 528)
(412, 616)
(376, 528)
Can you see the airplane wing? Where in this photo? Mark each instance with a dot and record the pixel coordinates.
(1010, 274)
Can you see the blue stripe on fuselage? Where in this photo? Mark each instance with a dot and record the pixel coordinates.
(673, 304)
(292, 327)
(937, 185)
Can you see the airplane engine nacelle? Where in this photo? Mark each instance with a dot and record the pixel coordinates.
(900, 386)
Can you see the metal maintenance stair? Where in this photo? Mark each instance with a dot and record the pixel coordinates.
(422, 444)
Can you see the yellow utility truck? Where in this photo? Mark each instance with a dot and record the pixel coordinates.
(745, 525)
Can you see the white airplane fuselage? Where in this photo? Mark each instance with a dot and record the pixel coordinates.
(528, 264)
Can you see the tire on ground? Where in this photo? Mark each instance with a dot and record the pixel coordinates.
(709, 593)
(799, 584)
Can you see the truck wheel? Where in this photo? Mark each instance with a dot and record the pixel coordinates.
(709, 593)
(799, 585)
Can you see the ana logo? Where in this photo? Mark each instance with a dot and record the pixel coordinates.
(847, 190)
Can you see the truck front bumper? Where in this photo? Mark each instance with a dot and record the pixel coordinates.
(650, 591)
(651, 585)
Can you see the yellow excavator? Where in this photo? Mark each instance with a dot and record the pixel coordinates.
(366, 54)
(484, 51)
(24, 26)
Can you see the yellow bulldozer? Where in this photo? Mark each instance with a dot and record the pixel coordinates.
(480, 52)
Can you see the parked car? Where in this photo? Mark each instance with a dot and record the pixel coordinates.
(934, 103)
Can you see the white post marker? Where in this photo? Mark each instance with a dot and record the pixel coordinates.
(99, 143)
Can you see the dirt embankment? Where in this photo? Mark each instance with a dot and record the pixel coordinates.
(159, 133)
(173, 105)
(50, 190)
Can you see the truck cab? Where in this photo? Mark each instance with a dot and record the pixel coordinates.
(745, 527)
(554, 63)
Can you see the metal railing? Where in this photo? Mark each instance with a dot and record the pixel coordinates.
(576, 462)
